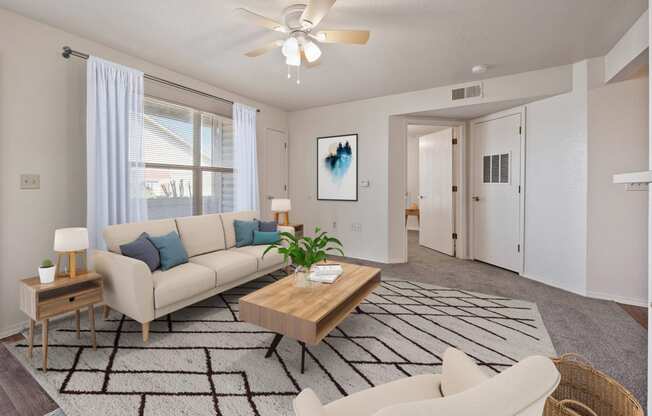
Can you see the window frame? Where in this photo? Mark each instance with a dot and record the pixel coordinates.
(196, 168)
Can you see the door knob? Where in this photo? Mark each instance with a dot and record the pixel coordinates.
(476, 198)
(270, 196)
(421, 197)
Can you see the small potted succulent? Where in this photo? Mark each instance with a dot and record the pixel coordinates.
(46, 271)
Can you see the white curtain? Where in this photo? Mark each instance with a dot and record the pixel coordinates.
(114, 147)
(245, 159)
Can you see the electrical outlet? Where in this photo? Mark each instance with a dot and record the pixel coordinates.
(356, 227)
(334, 225)
(30, 181)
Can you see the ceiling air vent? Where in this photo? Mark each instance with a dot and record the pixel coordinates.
(467, 92)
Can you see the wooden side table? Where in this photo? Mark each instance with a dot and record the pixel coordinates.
(43, 301)
(298, 229)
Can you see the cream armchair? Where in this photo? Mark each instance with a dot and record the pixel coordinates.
(461, 390)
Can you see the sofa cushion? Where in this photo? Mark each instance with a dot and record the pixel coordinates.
(142, 249)
(118, 234)
(272, 258)
(201, 233)
(228, 265)
(181, 282)
(229, 228)
(459, 372)
(170, 250)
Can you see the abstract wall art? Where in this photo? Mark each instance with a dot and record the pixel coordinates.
(337, 168)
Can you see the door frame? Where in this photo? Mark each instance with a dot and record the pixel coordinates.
(459, 180)
(265, 207)
(522, 111)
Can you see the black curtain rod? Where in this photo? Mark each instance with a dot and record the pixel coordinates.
(67, 53)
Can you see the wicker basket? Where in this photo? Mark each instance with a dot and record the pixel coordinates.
(585, 391)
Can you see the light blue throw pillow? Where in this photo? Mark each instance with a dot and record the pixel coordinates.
(244, 232)
(170, 250)
(266, 237)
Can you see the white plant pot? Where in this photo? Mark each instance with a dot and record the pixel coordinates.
(46, 274)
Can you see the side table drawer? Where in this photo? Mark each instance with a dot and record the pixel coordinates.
(67, 302)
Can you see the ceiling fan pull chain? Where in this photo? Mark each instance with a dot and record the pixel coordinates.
(299, 74)
(289, 74)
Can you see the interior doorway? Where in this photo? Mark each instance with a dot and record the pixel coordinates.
(430, 197)
(275, 172)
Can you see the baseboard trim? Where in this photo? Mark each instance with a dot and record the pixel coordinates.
(13, 329)
(547, 283)
(620, 299)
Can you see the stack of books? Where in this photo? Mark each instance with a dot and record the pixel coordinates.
(325, 273)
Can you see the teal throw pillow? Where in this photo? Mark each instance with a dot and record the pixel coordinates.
(266, 237)
(170, 249)
(244, 232)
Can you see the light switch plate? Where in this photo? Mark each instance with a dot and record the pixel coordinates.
(30, 181)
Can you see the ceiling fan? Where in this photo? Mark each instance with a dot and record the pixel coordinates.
(299, 23)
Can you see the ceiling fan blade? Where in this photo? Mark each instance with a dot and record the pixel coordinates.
(357, 37)
(260, 20)
(305, 62)
(264, 49)
(315, 11)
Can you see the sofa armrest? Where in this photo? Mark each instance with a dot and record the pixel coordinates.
(307, 404)
(128, 285)
(521, 390)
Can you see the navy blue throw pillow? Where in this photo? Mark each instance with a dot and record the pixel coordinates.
(142, 249)
(267, 226)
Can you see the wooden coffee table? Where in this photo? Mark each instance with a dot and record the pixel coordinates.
(308, 314)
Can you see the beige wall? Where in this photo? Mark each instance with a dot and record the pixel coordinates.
(617, 219)
(381, 140)
(42, 113)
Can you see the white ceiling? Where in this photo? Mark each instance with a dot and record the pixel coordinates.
(414, 44)
(414, 131)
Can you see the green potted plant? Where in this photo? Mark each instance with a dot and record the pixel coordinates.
(305, 251)
(46, 272)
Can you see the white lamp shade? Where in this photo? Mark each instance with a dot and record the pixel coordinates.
(281, 205)
(70, 239)
(312, 51)
(294, 59)
(290, 47)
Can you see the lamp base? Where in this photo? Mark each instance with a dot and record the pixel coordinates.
(287, 218)
(73, 270)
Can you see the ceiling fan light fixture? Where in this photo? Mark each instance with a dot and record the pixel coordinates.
(312, 51)
(320, 36)
(290, 47)
(293, 59)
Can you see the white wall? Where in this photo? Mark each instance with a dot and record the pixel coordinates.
(617, 219)
(42, 115)
(556, 187)
(412, 178)
(381, 160)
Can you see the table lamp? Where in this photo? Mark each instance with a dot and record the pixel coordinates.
(280, 205)
(70, 242)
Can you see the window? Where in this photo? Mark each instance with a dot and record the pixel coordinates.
(188, 161)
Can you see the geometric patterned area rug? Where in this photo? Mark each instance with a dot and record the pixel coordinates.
(203, 361)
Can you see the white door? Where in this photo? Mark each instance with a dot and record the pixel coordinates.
(436, 191)
(496, 199)
(276, 169)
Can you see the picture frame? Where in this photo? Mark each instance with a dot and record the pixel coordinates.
(337, 168)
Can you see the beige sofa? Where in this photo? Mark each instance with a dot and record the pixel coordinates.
(215, 265)
(461, 390)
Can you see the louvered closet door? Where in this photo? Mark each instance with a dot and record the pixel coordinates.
(496, 201)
